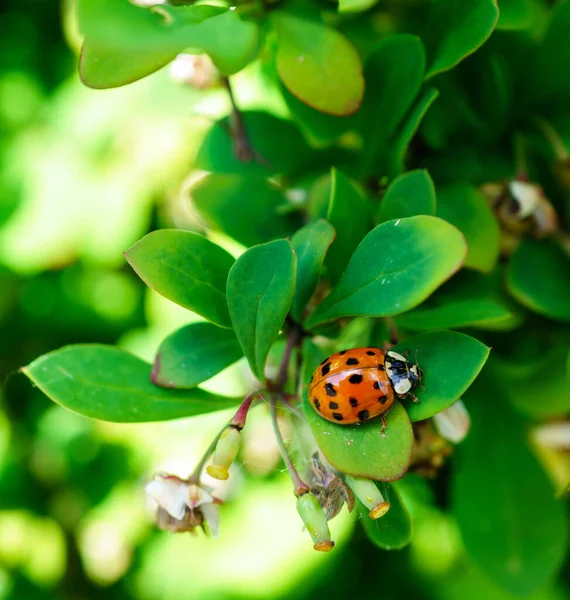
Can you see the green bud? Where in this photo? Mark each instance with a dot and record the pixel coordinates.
(369, 494)
(315, 520)
(225, 453)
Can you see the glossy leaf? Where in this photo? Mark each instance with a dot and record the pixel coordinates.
(395, 267)
(450, 362)
(193, 354)
(124, 42)
(405, 135)
(318, 64)
(219, 199)
(106, 383)
(393, 531)
(394, 73)
(289, 156)
(410, 194)
(512, 525)
(454, 29)
(310, 244)
(360, 449)
(186, 268)
(347, 204)
(465, 207)
(538, 276)
(260, 291)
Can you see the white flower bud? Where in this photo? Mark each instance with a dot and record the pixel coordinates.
(453, 423)
(369, 494)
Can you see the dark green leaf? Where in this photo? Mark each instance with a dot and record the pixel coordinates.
(289, 156)
(360, 449)
(538, 276)
(403, 138)
(220, 200)
(124, 42)
(186, 268)
(394, 73)
(260, 291)
(348, 204)
(310, 244)
(409, 195)
(306, 53)
(193, 354)
(104, 382)
(395, 267)
(393, 531)
(517, 14)
(450, 363)
(465, 207)
(511, 523)
(454, 29)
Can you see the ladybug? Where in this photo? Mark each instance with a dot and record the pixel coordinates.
(354, 386)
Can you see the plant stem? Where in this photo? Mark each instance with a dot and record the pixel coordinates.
(293, 339)
(392, 330)
(300, 486)
(237, 421)
(554, 138)
(242, 147)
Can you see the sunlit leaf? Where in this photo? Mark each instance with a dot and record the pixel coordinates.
(193, 354)
(186, 268)
(260, 291)
(106, 383)
(318, 64)
(395, 267)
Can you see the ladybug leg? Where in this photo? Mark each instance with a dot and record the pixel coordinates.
(414, 398)
(384, 426)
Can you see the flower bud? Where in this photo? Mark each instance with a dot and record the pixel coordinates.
(453, 423)
(315, 520)
(369, 494)
(225, 453)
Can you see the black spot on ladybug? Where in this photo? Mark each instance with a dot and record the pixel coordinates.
(370, 352)
(382, 399)
(356, 378)
(352, 361)
(363, 415)
(342, 352)
(317, 404)
(338, 417)
(310, 380)
(329, 389)
(333, 405)
(326, 369)
(380, 367)
(353, 402)
(324, 361)
(376, 385)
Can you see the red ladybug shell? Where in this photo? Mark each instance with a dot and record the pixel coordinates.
(351, 387)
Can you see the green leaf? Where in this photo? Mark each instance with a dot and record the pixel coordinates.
(404, 137)
(310, 244)
(454, 29)
(517, 14)
(450, 362)
(104, 382)
(347, 204)
(186, 268)
(546, 90)
(318, 65)
(290, 156)
(124, 42)
(465, 207)
(360, 449)
(395, 267)
(350, 6)
(220, 198)
(538, 276)
(393, 531)
(511, 524)
(193, 354)
(260, 291)
(409, 195)
(394, 73)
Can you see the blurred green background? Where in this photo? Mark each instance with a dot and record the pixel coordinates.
(83, 175)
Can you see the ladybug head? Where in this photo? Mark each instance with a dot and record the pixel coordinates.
(403, 374)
